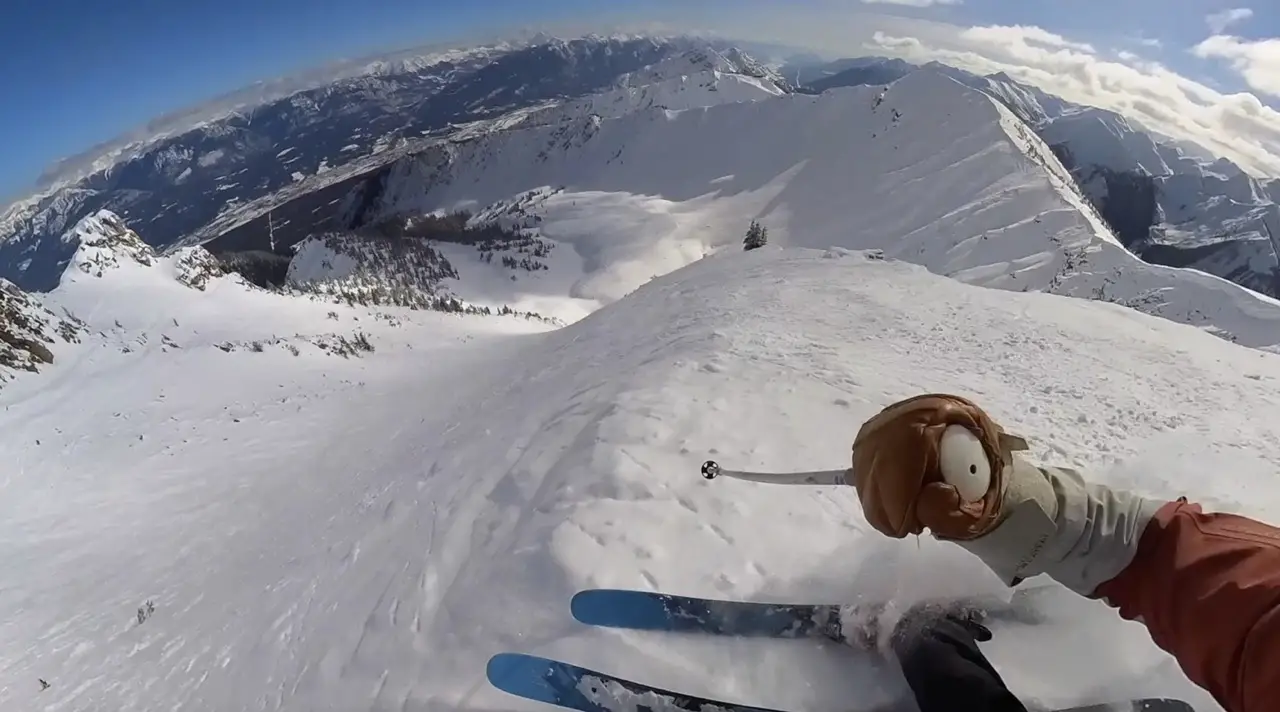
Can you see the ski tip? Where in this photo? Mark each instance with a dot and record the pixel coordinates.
(501, 663)
(619, 608)
(593, 604)
(592, 595)
(523, 676)
(504, 668)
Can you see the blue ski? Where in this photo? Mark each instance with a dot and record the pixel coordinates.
(646, 610)
(653, 611)
(584, 690)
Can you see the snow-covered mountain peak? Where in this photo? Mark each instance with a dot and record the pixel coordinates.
(104, 242)
(108, 250)
(1106, 139)
(705, 60)
(693, 79)
(1031, 106)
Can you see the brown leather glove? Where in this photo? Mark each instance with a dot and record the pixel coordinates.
(906, 458)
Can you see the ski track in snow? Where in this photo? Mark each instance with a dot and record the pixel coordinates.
(320, 533)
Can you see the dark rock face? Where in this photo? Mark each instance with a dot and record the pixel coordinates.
(1129, 206)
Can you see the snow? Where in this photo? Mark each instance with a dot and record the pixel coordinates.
(705, 88)
(1103, 138)
(549, 292)
(316, 532)
(671, 170)
(104, 243)
(315, 259)
(326, 528)
(652, 190)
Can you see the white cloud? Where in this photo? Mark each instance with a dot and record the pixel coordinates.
(1007, 34)
(1220, 21)
(1150, 42)
(914, 3)
(1237, 126)
(1258, 62)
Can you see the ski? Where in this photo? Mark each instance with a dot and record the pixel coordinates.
(584, 690)
(654, 611)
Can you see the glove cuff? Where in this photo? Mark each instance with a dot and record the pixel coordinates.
(1079, 533)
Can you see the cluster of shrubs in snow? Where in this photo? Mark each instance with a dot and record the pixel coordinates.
(333, 344)
(499, 231)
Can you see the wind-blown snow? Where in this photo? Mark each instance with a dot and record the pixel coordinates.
(360, 534)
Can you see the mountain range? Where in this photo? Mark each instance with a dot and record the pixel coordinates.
(566, 207)
(197, 185)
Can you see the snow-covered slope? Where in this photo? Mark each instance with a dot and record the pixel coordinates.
(678, 183)
(313, 532)
(931, 171)
(1163, 198)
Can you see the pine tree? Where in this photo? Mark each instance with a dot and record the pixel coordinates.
(757, 236)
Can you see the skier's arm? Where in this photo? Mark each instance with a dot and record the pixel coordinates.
(1207, 587)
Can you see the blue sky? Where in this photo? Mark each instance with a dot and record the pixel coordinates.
(79, 72)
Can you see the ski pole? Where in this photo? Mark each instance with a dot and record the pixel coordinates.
(712, 469)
